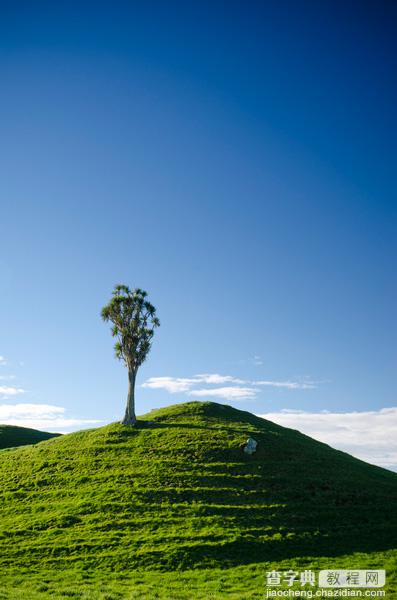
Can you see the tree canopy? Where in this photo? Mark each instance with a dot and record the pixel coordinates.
(133, 320)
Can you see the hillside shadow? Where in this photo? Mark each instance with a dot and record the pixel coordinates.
(331, 523)
(250, 551)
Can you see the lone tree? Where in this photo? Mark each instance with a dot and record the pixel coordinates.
(134, 321)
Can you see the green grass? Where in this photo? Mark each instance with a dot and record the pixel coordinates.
(238, 583)
(174, 509)
(12, 436)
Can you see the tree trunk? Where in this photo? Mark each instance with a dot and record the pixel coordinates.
(129, 417)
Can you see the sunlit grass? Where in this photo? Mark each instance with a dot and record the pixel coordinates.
(175, 509)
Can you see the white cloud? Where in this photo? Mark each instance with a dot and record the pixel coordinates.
(175, 385)
(2, 360)
(369, 435)
(227, 393)
(29, 410)
(215, 378)
(7, 390)
(172, 385)
(40, 416)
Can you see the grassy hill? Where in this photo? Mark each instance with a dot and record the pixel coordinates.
(178, 494)
(12, 436)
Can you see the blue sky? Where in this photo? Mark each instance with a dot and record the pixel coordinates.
(235, 160)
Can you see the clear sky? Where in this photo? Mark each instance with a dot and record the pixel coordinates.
(236, 160)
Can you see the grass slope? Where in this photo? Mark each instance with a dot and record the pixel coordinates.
(12, 436)
(178, 494)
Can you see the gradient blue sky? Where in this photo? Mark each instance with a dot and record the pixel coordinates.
(235, 159)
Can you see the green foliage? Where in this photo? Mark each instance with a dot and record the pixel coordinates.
(134, 321)
(172, 508)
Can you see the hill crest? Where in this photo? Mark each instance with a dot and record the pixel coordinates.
(12, 436)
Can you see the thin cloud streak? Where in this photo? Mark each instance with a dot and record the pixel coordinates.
(174, 385)
(290, 385)
(215, 378)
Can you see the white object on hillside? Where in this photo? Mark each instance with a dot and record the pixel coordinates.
(250, 446)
